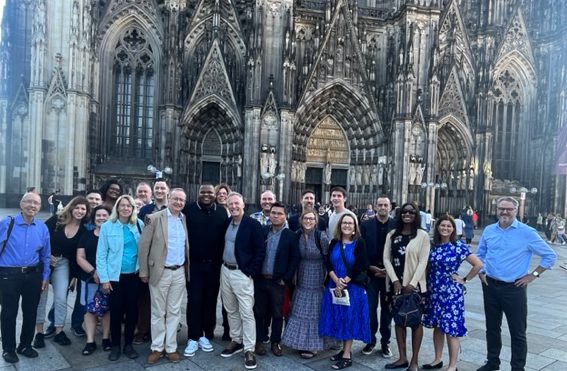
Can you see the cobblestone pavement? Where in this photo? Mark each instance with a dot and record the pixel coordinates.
(547, 338)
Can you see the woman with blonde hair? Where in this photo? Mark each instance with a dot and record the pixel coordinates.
(65, 231)
(117, 267)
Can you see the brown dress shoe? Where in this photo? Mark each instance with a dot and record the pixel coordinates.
(260, 349)
(173, 357)
(277, 349)
(154, 357)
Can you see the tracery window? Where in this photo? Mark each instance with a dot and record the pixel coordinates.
(133, 104)
(507, 115)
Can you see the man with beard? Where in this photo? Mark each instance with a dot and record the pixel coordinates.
(206, 226)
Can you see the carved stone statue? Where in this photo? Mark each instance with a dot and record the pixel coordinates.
(487, 177)
(374, 176)
(419, 173)
(412, 172)
(239, 166)
(272, 163)
(264, 161)
(328, 173)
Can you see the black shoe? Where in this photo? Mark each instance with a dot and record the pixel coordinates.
(232, 348)
(386, 352)
(62, 339)
(391, 366)
(49, 332)
(78, 332)
(114, 353)
(89, 349)
(250, 360)
(130, 352)
(432, 367)
(38, 341)
(367, 350)
(106, 345)
(10, 357)
(488, 367)
(26, 351)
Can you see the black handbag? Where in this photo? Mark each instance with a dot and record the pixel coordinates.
(407, 309)
(362, 278)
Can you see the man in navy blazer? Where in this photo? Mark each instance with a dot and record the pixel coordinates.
(280, 264)
(374, 231)
(243, 256)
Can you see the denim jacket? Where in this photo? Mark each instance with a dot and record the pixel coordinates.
(110, 249)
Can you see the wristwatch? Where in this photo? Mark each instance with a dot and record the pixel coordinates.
(535, 274)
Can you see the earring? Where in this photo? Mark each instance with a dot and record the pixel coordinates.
(353, 233)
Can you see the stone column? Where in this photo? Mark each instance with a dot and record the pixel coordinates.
(250, 154)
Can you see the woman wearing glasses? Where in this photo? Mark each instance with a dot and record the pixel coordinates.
(302, 330)
(406, 253)
(346, 260)
(446, 304)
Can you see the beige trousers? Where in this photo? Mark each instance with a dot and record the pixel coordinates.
(166, 298)
(237, 291)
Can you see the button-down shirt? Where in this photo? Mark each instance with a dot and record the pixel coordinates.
(271, 250)
(27, 245)
(262, 218)
(507, 252)
(229, 255)
(175, 240)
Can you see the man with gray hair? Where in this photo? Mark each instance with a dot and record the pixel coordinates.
(242, 260)
(506, 249)
(25, 253)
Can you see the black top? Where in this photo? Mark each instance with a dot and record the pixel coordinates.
(63, 246)
(399, 254)
(374, 233)
(149, 209)
(287, 254)
(89, 242)
(205, 226)
(360, 259)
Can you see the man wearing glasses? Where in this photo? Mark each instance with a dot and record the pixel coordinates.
(25, 253)
(506, 249)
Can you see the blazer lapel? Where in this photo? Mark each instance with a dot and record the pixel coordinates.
(164, 226)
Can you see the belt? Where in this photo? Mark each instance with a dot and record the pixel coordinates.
(498, 282)
(24, 270)
(267, 276)
(173, 267)
(231, 267)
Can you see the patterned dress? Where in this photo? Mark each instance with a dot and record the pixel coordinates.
(339, 321)
(446, 303)
(302, 329)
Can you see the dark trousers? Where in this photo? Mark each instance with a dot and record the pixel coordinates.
(144, 310)
(202, 293)
(14, 285)
(376, 291)
(268, 301)
(124, 304)
(505, 298)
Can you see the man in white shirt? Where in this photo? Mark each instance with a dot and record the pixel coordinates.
(338, 199)
(164, 264)
(460, 225)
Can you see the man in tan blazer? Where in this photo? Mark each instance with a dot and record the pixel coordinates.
(164, 263)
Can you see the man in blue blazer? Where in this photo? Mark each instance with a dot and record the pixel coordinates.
(242, 260)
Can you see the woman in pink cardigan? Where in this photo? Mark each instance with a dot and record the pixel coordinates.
(406, 253)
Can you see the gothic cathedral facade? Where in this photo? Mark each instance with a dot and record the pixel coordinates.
(445, 102)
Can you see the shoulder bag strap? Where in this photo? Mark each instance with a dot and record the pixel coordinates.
(8, 233)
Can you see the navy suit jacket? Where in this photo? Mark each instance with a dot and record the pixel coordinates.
(249, 246)
(287, 255)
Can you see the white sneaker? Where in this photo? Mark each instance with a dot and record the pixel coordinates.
(205, 344)
(191, 348)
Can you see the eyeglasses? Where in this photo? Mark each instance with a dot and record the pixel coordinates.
(408, 211)
(177, 199)
(507, 209)
(31, 202)
(308, 218)
(347, 223)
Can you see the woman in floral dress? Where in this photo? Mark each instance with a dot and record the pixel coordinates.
(446, 304)
(302, 330)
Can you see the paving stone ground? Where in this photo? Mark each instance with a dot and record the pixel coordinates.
(547, 338)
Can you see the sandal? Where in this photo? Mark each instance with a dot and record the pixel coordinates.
(338, 356)
(89, 349)
(106, 345)
(307, 354)
(343, 363)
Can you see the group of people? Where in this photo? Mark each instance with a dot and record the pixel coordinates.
(293, 281)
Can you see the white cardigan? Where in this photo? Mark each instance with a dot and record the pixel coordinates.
(417, 256)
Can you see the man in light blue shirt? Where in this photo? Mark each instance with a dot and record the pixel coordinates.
(506, 249)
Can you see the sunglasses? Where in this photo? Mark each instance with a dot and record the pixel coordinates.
(409, 211)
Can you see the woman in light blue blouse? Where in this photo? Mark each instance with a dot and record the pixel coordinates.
(117, 268)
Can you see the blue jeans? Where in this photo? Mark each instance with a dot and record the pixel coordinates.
(60, 283)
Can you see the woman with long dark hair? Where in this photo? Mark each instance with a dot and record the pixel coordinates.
(446, 288)
(406, 252)
(65, 231)
(346, 260)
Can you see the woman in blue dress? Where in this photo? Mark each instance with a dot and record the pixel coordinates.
(446, 304)
(346, 260)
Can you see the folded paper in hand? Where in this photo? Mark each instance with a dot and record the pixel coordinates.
(342, 299)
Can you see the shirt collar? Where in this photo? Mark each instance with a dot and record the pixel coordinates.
(170, 215)
(213, 206)
(513, 225)
(19, 219)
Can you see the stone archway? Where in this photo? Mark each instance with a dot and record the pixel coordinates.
(327, 158)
